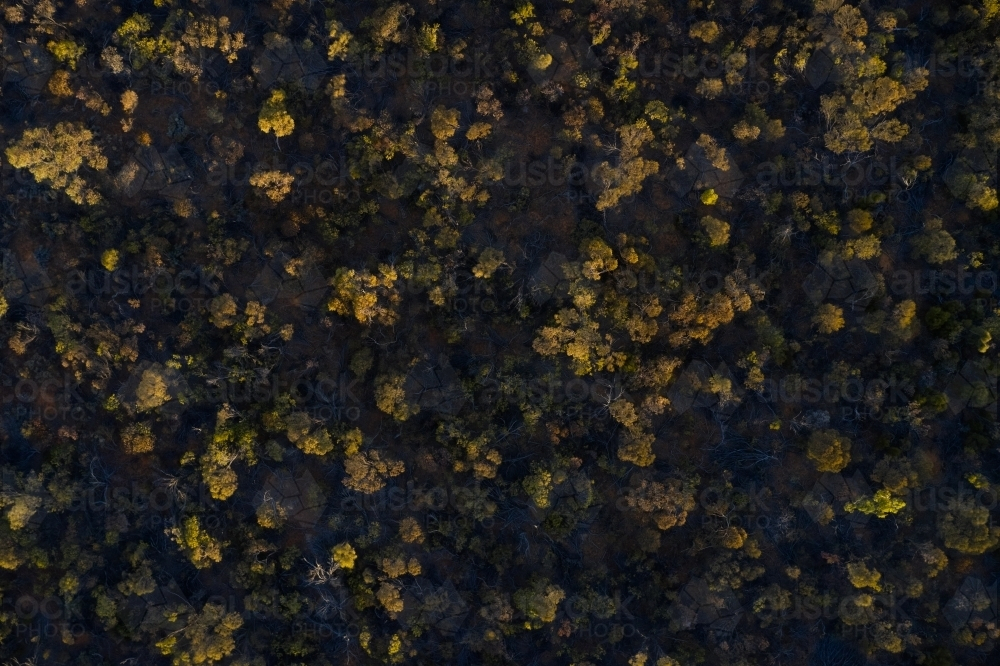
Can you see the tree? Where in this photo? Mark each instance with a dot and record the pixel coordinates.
(384, 24)
(390, 396)
(140, 581)
(600, 258)
(862, 577)
(828, 318)
(23, 503)
(271, 514)
(538, 485)
(110, 259)
(967, 527)
(66, 51)
(196, 543)
(152, 391)
(830, 450)
(706, 31)
(627, 177)
(344, 555)
(367, 472)
(222, 311)
(539, 603)
(755, 123)
(489, 261)
(856, 113)
(636, 447)
(388, 596)
(859, 220)
(698, 315)
(744, 132)
(206, 638)
(277, 185)
(977, 191)
(880, 505)
(668, 503)
(231, 440)
(274, 116)
(903, 322)
(774, 600)
(444, 123)
(54, 157)
(523, 11)
(897, 474)
(369, 297)
(410, 530)
(716, 154)
(716, 230)
(478, 131)
(137, 438)
(303, 433)
(933, 243)
(340, 40)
